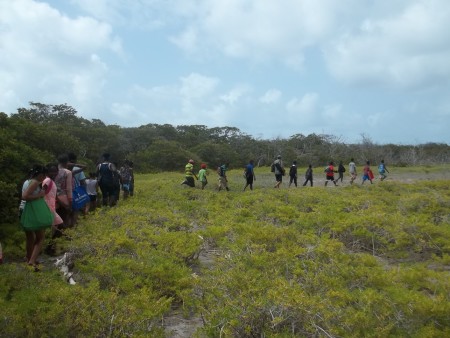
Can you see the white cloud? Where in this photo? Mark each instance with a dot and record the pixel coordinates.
(46, 55)
(260, 30)
(187, 40)
(244, 59)
(408, 48)
(235, 94)
(333, 112)
(142, 15)
(306, 106)
(197, 86)
(271, 96)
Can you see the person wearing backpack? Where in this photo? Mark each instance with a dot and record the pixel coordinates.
(223, 180)
(293, 174)
(382, 170)
(341, 171)
(249, 175)
(279, 171)
(105, 174)
(309, 175)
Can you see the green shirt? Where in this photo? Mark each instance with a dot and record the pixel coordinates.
(189, 170)
(202, 175)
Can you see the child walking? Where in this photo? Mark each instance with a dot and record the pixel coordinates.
(293, 174)
(202, 175)
(309, 176)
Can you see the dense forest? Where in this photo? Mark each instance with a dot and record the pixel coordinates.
(41, 132)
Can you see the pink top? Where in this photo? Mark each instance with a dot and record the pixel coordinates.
(50, 199)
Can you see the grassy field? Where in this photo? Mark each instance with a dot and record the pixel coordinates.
(347, 261)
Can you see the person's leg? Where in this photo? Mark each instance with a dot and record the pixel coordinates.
(125, 192)
(74, 218)
(93, 203)
(37, 247)
(30, 237)
(105, 195)
(295, 181)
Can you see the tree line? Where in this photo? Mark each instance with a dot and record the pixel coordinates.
(41, 132)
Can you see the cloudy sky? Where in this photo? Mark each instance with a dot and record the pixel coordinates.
(272, 68)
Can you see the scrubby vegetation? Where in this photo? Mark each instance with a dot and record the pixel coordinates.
(349, 261)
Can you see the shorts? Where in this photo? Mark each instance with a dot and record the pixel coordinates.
(279, 177)
(93, 198)
(189, 181)
(249, 179)
(365, 178)
(330, 178)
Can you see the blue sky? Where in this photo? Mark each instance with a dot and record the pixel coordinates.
(270, 68)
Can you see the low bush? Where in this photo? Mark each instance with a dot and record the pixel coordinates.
(344, 261)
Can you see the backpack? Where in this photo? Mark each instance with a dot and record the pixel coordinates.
(105, 174)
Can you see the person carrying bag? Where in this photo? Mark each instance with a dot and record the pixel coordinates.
(36, 216)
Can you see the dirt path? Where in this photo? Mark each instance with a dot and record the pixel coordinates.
(176, 325)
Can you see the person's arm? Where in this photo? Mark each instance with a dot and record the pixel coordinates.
(81, 167)
(69, 183)
(28, 193)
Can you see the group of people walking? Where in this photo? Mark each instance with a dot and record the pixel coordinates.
(279, 171)
(55, 195)
(329, 170)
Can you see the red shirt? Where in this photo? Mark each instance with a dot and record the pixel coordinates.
(330, 172)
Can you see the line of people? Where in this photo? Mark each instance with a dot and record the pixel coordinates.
(279, 171)
(54, 196)
(330, 170)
